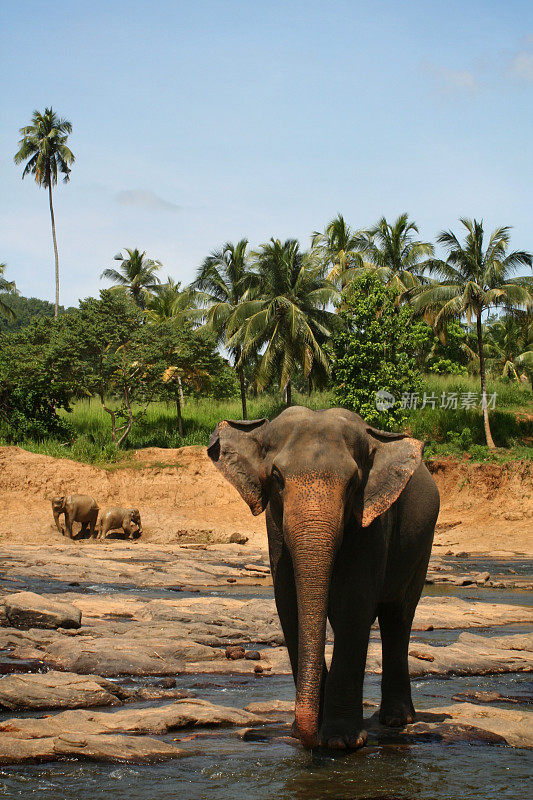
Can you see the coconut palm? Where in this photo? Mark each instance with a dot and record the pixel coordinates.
(338, 248)
(287, 317)
(393, 253)
(6, 287)
(472, 280)
(509, 347)
(170, 301)
(136, 274)
(225, 281)
(43, 147)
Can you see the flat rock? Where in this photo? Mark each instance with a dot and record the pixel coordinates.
(154, 720)
(31, 610)
(58, 690)
(103, 747)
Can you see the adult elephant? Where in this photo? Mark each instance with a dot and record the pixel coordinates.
(75, 508)
(350, 513)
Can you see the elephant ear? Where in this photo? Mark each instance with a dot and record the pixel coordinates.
(394, 457)
(235, 450)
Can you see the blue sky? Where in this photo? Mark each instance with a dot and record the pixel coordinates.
(195, 123)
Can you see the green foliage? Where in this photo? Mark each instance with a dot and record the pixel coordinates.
(375, 351)
(26, 309)
(136, 276)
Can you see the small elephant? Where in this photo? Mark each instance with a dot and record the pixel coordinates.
(75, 508)
(350, 515)
(112, 519)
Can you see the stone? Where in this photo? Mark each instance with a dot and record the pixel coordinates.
(58, 690)
(166, 683)
(490, 697)
(238, 538)
(31, 610)
(252, 655)
(103, 747)
(421, 656)
(235, 653)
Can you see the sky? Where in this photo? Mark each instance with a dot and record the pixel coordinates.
(197, 123)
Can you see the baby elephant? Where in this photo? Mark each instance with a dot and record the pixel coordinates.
(114, 518)
(76, 508)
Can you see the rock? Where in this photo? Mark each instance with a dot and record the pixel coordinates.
(166, 683)
(252, 655)
(235, 653)
(257, 568)
(483, 576)
(421, 656)
(238, 538)
(103, 747)
(258, 669)
(462, 554)
(491, 697)
(30, 610)
(231, 580)
(58, 690)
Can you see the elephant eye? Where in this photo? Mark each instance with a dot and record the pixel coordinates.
(278, 477)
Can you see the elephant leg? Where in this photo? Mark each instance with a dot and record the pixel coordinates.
(396, 704)
(92, 526)
(68, 524)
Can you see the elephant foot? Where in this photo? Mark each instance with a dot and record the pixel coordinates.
(396, 713)
(341, 735)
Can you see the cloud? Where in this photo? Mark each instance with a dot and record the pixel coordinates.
(141, 198)
(522, 66)
(455, 81)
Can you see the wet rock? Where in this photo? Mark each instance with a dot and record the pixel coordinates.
(166, 683)
(58, 690)
(488, 697)
(235, 653)
(252, 655)
(31, 610)
(258, 669)
(103, 747)
(462, 554)
(231, 580)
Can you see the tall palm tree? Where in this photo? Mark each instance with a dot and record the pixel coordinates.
(338, 248)
(287, 317)
(393, 253)
(509, 347)
(44, 148)
(6, 287)
(472, 280)
(136, 274)
(226, 281)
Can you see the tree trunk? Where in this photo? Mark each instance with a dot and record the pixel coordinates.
(488, 435)
(56, 311)
(288, 391)
(180, 420)
(240, 373)
(180, 387)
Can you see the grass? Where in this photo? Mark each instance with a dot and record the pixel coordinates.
(447, 432)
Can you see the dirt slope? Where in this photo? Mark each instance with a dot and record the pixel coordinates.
(182, 497)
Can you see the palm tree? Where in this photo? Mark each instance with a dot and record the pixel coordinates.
(287, 317)
(136, 274)
(226, 282)
(338, 248)
(509, 347)
(392, 252)
(171, 302)
(472, 280)
(6, 287)
(44, 148)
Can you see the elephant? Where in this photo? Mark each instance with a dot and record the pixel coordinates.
(75, 508)
(350, 515)
(114, 518)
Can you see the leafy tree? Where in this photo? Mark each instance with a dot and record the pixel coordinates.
(136, 275)
(375, 351)
(394, 255)
(449, 351)
(26, 309)
(43, 147)
(472, 280)
(6, 287)
(227, 282)
(287, 317)
(338, 249)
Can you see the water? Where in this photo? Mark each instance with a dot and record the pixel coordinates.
(221, 766)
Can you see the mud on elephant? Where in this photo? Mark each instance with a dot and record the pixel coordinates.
(126, 519)
(350, 514)
(75, 508)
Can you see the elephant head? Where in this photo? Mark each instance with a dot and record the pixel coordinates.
(316, 470)
(58, 508)
(135, 521)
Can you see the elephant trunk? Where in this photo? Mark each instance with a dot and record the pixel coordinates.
(56, 520)
(313, 545)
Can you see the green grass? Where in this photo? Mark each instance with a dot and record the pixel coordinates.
(447, 432)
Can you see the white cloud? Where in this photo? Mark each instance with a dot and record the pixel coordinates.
(522, 65)
(141, 198)
(454, 81)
